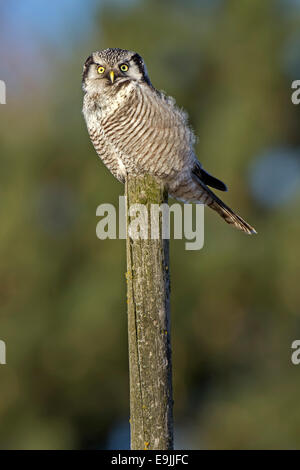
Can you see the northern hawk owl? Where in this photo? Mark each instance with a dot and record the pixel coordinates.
(137, 129)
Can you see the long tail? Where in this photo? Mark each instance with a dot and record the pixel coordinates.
(225, 212)
(204, 179)
(229, 216)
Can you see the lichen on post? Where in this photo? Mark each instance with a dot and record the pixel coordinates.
(148, 298)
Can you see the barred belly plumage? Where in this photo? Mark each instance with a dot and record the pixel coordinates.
(138, 135)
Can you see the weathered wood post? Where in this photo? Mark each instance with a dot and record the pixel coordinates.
(148, 297)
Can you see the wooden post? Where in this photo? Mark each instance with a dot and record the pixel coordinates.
(148, 297)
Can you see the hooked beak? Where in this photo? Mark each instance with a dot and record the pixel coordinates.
(112, 76)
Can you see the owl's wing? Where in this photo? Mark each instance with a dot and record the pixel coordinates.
(207, 178)
(151, 135)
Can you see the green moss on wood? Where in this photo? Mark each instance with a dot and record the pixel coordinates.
(149, 328)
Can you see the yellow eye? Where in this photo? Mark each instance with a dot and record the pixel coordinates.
(124, 68)
(101, 69)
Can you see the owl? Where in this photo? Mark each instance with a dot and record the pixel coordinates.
(136, 129)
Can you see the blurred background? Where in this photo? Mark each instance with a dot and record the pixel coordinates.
(235, 303)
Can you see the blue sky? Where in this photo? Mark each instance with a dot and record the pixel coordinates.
(49, 20)
(30, 29)
(27, 27)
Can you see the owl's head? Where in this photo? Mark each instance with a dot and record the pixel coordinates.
(112, 68)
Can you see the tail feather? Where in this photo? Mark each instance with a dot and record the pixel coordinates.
(231, 217)
(224, 211)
